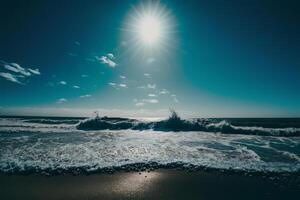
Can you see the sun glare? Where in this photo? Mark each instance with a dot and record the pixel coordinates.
(149, 29)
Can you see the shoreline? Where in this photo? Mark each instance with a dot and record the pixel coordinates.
(147, 166)
(158, 184)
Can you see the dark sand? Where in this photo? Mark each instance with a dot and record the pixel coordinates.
(161, 184)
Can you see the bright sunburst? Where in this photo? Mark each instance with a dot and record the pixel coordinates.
(149, 26)
(149, 29)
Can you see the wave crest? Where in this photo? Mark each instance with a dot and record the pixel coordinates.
(175, 123)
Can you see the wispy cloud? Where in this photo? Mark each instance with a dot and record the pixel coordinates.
(62, 100)
(85, 96)
(108, 60)
(9, 77)
(15, 72)
(139, 104)
(63, 82)
(146, 74)
(76, 86)
(35, 71)
(122, 77)
(152, 95)
(123, 85)
(151, 86)
(153, 101)
(164, 91)
(110, 55)
(118, 86)
(84, 76)
(14, 67)
(114, 85)
(150, 60)
(77, 43)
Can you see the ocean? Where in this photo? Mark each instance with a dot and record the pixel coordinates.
(77, 145)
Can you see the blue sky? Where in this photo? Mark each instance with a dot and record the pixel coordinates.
(214, 59)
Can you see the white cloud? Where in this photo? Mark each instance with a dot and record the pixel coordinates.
(62, 100)
(122, 77)
(110, 55)
(135, 100)
(63, 82)
(9, 77)
(146, 74)
(85, 96)
(150, 60)
(150, 101)
(17, 71)
(139, 104)
(152, 95)
(108, 60)
(11, 68)
(117, 86)
(112, 84)
(14, 67)
(164, 91)
(84, 75)
(151, 86)
(123, 85)
(35, 71)
(76, 86)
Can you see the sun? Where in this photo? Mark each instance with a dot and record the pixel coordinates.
(149, 29)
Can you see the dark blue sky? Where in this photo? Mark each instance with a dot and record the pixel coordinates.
(216, 58)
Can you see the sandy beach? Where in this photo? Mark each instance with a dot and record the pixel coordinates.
(160, 184)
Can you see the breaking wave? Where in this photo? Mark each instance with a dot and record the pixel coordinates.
(46, 145)
(175, 123)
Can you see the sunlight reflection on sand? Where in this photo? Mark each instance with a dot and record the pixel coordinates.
(136, 182)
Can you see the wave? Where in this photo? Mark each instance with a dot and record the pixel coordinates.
(43, 125)
(51, 121)
(175, 123)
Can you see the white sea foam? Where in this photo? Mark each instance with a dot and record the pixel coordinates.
(29, 146)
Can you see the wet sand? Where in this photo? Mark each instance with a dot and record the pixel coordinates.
(160, 184)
